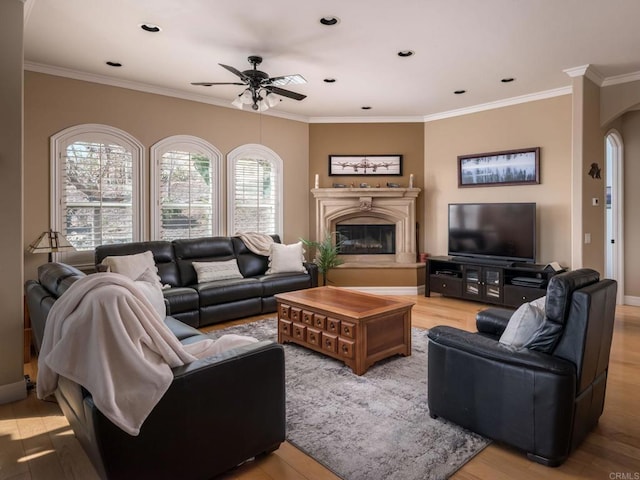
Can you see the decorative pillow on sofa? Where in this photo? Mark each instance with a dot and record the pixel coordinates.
(524, 323)
(286, 259)
(150, 286)
(212, 271)
(132, 266)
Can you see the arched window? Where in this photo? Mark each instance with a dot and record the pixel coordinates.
(96, 193)
(186, 194)
(254, 186)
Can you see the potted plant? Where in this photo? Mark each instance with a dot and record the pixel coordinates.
(327, 252)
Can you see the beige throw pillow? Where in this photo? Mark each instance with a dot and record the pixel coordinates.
(286, 259)
(212, 271)
(523, 323)
(132, 266)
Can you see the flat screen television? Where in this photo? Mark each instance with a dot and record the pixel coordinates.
(500, 231)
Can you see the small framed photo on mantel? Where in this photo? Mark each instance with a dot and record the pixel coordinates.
(511, 167)
(365, 165)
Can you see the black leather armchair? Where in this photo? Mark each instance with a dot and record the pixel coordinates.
(542, 403)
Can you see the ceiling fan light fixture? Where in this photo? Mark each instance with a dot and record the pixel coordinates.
(329, 21)
(271, 100)
(237, 102)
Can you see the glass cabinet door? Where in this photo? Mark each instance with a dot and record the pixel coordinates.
(472, 282)
(492, 283)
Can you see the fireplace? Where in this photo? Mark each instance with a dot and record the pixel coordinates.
(366, 239)
(389, 215)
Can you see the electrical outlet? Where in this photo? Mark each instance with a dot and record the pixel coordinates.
(595, 201)
(587, 238)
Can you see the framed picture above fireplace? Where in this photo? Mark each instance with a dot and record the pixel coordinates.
(365, 165)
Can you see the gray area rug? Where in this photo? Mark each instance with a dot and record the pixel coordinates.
(372, 427)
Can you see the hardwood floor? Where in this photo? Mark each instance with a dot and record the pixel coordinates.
(37, 443)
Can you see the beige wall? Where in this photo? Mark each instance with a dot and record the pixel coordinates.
(617, 99)
(406, 139)
(631, 137)
(545, 124)
(12, 385)
(55, 103)
(593, 150)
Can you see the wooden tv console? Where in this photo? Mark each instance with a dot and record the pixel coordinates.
(504, 284)
(356, 328)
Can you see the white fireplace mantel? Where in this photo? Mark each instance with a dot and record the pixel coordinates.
(392, 205)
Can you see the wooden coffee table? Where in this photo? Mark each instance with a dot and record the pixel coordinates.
(357, 328)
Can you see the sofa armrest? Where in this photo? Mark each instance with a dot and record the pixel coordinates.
(312, 270)
(480, 346)
(493, 321)
(218, 412)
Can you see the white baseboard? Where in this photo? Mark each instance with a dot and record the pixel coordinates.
(634, 301)
(13, 391)
(418, 290)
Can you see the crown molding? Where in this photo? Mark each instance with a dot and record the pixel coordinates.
(588, 71)
(532, 97)
(624, 78)
(147, 88)
(407, 119)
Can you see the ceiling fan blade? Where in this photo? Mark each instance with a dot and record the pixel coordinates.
(208, 84)
(287, 80)
(285, 93)
(235, 71)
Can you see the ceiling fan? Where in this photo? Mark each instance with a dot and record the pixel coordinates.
(261, 89)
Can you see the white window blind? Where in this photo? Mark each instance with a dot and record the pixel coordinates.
(255, 190)
(186, 191)
(97, 194)
(96, 191)
(186, 203)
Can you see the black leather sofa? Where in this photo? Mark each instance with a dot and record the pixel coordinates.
(217, 413)
(204, 304)
(542, 403)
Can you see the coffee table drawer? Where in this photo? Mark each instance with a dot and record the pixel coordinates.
(299, 332)
(285, 326)
(314, 336)
(348, 329)
(307, 317)
(295, 314)
(333, 326)
(320, 321)
(345, 347)
(284, 311)
(330, 342)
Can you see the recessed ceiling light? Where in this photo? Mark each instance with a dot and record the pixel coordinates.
(460, 92)
(507, 80)
(150, 27)
(406, 53)
(114, 64)
(329, 21)
(330, 80)
(366, 107)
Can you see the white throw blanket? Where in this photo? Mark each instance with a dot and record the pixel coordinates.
(258, 243)
(105, 335)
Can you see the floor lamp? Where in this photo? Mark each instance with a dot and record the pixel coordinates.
(50, 242)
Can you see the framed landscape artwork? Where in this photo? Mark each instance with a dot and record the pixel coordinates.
(511, 167)
(365, 165)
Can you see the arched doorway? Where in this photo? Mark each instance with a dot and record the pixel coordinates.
(614, 211)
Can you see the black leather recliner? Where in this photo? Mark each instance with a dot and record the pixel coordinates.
(542, 403)
(218, 412)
